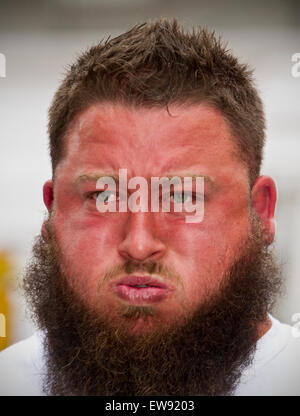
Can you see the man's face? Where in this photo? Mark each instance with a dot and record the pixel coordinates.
(215, 280)
(96, 247)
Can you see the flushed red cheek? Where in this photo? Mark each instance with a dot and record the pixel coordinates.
(88, 250)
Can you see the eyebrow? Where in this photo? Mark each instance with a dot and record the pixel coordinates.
(94, 177)
(207, 179)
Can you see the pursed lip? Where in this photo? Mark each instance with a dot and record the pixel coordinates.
(141, 289)
(135, 280)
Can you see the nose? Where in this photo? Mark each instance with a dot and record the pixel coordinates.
(141, 242)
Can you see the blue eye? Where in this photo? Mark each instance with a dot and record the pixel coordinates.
(181, 197)
(104, 196)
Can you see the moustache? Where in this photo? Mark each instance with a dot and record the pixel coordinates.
(149, 267)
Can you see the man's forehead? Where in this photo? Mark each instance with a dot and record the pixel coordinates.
(113, 120)
(154, 141)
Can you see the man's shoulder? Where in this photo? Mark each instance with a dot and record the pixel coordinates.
(21, 367)
(275, 369)
(22, 348)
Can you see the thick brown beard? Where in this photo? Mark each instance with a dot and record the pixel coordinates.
(203, 354)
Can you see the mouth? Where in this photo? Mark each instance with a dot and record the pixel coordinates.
(140, 290)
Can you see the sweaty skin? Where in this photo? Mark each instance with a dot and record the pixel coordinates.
(193, 140)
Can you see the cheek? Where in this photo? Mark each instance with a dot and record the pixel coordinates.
(202, 253)
(199, 259)
(87, 247)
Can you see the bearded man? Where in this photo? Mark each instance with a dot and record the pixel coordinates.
(136, 302)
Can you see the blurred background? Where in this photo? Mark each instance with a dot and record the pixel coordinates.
(39, 38)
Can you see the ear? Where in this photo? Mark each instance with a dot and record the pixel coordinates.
(48, 194)
(48, 200)
(263, 196)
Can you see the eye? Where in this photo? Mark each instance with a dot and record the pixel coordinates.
(184, 202)
(181, 197)
(104, 196)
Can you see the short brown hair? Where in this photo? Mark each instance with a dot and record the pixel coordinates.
(157, 64)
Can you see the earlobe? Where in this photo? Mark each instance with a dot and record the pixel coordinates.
(48, 194)
(263, 196)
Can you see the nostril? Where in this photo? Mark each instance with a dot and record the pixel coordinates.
(140, 240)
(138, 255)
